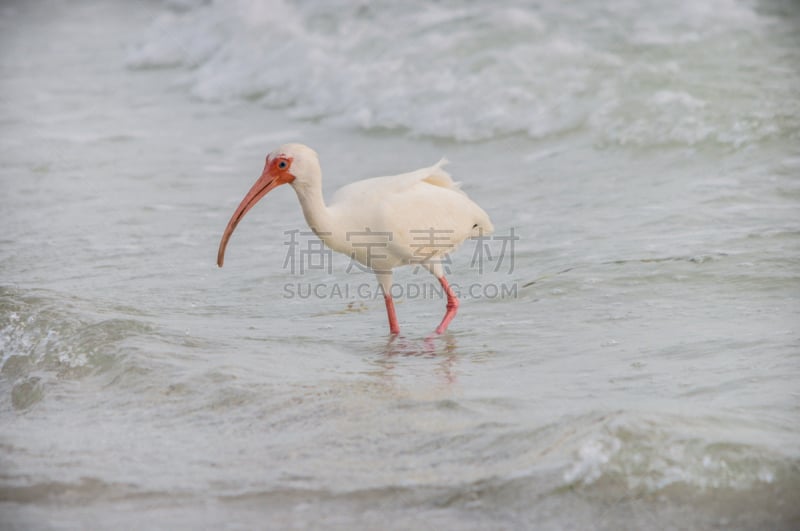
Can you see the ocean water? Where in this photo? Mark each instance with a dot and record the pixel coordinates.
(627, 350)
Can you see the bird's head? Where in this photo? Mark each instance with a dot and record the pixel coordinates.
(293, 164)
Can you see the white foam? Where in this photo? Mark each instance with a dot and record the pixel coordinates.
(471, 73)
(646, 456)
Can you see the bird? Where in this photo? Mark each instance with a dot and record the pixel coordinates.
(415, 218)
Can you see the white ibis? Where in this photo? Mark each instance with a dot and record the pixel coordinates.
(385, 222)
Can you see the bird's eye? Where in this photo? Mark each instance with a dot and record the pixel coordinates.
(283, 165)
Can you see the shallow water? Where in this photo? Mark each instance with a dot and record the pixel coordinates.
(636, 365)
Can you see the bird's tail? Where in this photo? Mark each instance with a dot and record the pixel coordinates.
(440, 177)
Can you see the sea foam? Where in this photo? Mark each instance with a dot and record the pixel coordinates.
(639, 75)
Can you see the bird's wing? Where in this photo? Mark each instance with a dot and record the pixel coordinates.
(395, 184)
(422, 214)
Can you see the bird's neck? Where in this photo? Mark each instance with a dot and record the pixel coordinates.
(316, 213)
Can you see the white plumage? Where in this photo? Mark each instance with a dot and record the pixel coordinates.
(413, 218)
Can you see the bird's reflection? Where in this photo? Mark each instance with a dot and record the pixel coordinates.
(430, 346)
(443, 349)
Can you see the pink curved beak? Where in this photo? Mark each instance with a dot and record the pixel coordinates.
(260, 188)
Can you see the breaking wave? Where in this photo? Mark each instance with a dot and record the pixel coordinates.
(636, 73)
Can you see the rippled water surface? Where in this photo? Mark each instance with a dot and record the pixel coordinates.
(631, 364)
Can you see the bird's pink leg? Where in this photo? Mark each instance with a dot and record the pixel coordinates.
(394, 328)
(452, 306)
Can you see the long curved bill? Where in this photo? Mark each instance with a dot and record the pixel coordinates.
(262, 187)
